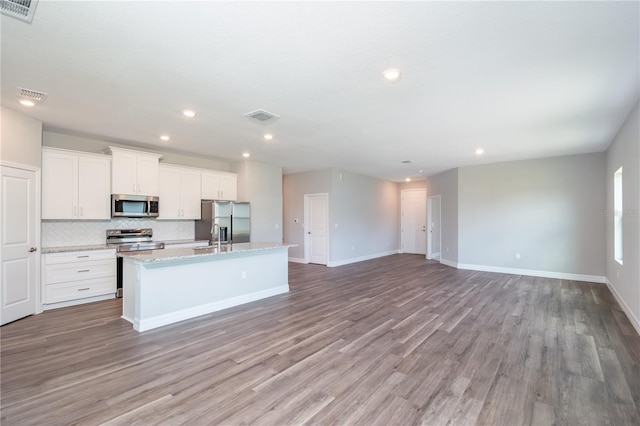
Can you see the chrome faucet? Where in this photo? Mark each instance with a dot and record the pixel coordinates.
(213, 227)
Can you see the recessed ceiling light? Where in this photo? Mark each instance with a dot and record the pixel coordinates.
(246, 155)
(420, 171)
(27, 103)
(268, 136)
(479, 151)
(165, 138)
(392, 74)
(189, 113)
(408, 180)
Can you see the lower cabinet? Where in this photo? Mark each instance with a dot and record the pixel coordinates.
(77, 277)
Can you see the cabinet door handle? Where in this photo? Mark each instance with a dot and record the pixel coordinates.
(75, 211)
(81, 212)
(134, 188)
(85, 255)
(84, 270)
(33, 249)
(84, 289)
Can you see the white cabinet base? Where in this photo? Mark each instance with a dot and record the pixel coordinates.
(50, 306)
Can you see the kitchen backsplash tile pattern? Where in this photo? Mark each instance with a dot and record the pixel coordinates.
(60, 233)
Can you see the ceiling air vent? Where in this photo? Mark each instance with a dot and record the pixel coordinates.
(261, 115)
(21, 9)
(31, 95)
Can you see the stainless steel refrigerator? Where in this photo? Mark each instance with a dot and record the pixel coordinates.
(233, 219)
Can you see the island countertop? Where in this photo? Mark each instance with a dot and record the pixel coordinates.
(192, 253)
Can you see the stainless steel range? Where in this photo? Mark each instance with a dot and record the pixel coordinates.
(130, 240)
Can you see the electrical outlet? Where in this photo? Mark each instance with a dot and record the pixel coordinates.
(517, 255)
(243, 275)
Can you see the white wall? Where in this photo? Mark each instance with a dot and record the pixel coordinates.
(365, 211)
(625, 279)
(78, 143)
(261, 185)
(445, 184)
(294, 187)
(549, 210)
(20, 138)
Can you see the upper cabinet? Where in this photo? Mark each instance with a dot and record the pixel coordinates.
(179, 192)
(134, 172)
(219, 186)
(75, 185)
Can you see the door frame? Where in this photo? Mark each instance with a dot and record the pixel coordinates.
(430, 253)
(38, 225)
(402, 192)
(307, 239)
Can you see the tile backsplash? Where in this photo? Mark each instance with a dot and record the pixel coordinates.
(59, 233)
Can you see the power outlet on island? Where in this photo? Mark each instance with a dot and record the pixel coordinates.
(243, 275)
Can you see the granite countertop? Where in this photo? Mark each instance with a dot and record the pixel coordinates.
(169, 254)
(170, 242)
(63, 249)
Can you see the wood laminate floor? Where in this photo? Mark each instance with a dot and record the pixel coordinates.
(392, 341)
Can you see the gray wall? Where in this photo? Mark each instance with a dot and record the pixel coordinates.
(261, 185)
(20, 138)
(77, 143)
(549, 210)
(625, 151)
(294, 186)
(445, 184)
(365, 211)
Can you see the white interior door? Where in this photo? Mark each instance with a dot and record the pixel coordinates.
(434, 225)
(414, 221)
(316, 211)
(19, 259)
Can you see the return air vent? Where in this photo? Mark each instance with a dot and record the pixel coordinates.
(261, 115)
(21, 9)
(31, 95)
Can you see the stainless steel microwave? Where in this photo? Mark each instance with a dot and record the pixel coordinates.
(134, 206)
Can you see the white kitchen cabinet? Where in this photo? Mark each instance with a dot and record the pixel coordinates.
(219, 186)
(75, 185)
(179, 192)
(134, 172)
(78, 277)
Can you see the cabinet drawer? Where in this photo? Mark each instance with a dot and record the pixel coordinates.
(79, 289)
(63, 272)
(78, 256)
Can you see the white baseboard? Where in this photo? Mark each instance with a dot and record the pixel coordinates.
(170, 318)
(297, 260)
(449, 263)
(50, 306)
(625, 308)
(534, 273)
(361, 258)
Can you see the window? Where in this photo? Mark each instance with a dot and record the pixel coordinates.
(617, 215)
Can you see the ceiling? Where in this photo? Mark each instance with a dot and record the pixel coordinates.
(520, 80)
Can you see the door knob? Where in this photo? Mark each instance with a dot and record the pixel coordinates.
(33, 249)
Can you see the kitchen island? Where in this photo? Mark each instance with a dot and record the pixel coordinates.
(161, 287)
